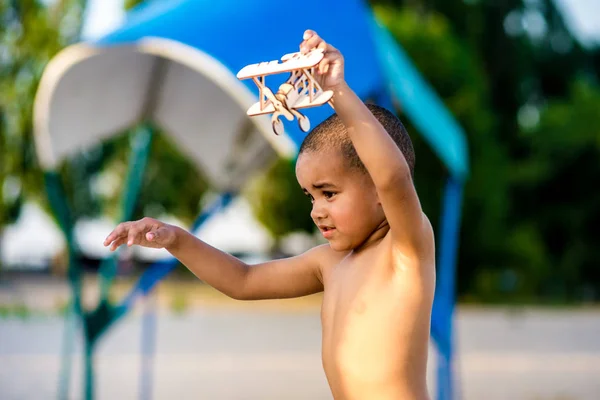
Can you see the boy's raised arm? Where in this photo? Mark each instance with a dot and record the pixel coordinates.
(386, 165)
(377, 150)
(285, 278)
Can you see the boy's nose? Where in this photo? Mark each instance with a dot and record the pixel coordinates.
(318, 212)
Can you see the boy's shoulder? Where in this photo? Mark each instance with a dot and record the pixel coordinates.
(325, 255)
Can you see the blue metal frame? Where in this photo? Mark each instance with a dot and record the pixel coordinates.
(443, 310)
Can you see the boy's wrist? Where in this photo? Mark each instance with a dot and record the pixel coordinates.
(178, 234)
(342, 94)
(339, 89)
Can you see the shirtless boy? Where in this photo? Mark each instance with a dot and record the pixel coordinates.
(377, 270)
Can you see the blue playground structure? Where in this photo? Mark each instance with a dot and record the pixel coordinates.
(172, 64)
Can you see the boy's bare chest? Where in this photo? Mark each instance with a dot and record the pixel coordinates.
(361, 317)
(356, 290)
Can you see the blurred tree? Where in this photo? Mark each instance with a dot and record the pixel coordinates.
(31, 33)
(278, 202)
(455, 72)
(556, 183)
(532, 58)
(129, 4)
(172, 184)
(526, 57)
(525, 47)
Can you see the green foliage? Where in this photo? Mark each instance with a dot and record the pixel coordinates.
(17, 310)
(180, 303)
(172, 183)
(32, 34)
(524, 236)
(129, 4)
(77, 175)
(555, 182)
(278, 202)
(95, 180)
(451, 67)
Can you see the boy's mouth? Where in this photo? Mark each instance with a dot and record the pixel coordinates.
(327, 231)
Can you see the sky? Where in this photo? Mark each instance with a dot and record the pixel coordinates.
(102, 16)
(582, 16)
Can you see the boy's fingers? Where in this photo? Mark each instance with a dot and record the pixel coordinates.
(328, 59)
(109, 239)
(153, 235)
(323, 66)
(119, 231)
(308, 33)
(159, 236)
(134, 234)
(109, 242)
(314, 41)
(156, 234)
(323, 45)
(332, 50)
(117, 243)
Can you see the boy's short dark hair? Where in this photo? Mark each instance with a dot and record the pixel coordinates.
(332, 133)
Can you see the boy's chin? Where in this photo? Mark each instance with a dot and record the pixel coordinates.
(340, 246)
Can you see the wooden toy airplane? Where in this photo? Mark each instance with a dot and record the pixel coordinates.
(301, 90)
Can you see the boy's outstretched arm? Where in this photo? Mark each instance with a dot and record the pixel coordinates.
(377, 150)
(285, 278)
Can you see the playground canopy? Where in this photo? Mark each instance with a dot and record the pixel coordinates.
(174, 64)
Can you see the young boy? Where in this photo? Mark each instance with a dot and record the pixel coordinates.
(378, 269)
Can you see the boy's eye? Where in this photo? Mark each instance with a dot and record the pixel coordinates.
(328, 195)
(312, 199)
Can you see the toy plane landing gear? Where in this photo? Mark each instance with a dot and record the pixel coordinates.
(301, 90)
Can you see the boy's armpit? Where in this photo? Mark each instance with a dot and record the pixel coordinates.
(285, 278)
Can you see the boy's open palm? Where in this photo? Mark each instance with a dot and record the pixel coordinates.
(330, 71)
(146, 232)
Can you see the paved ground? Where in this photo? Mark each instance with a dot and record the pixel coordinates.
(217, 351)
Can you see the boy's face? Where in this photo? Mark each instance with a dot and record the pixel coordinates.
(345, 204)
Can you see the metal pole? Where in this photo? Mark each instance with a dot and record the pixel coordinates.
(446, 283)
(148, 346)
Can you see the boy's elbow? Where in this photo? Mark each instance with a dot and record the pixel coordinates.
(243, 295)
(239, 291)
(237, 295)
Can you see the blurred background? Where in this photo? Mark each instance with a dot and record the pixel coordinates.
(521, 79)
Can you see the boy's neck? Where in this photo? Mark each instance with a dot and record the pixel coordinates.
(374, 238)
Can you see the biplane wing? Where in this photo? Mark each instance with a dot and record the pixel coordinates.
(303, 102)
(320, 99)
(291, 62)
(269, 108)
